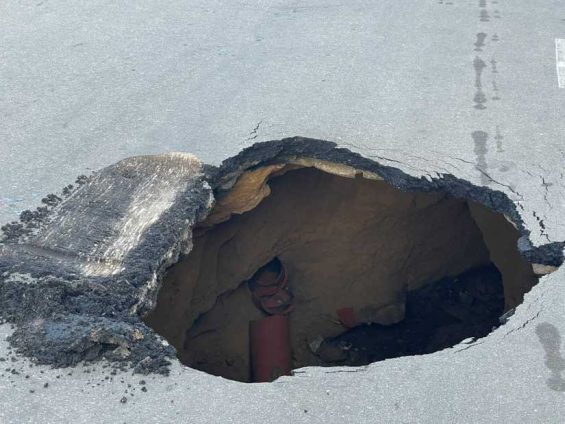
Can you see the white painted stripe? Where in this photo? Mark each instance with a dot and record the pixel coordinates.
(560, 61)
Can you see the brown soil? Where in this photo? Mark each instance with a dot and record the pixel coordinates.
(345, 242)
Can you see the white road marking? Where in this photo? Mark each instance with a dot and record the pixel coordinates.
(560, 61)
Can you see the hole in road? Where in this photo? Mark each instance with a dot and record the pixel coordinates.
(296, 267)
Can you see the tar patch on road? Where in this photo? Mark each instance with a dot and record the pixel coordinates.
(550, 339)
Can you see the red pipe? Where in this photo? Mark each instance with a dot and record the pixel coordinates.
(270, 348)
(347, 317)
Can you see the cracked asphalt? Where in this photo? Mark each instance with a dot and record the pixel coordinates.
(433, 87)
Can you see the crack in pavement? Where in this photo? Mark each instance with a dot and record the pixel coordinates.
(254, 133)
(362, 369)
(524, 324)
(469, 346)
(501, 184)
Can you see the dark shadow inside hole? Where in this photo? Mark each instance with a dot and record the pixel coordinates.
(438, 316)
(426, 270)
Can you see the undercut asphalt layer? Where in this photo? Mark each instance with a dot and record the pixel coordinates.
(78, 274)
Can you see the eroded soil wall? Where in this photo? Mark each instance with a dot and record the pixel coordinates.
(501, 238)
(344, 241)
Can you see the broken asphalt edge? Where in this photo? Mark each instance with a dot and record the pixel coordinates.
(64, 316)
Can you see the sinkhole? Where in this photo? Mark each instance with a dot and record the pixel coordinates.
(356, 271)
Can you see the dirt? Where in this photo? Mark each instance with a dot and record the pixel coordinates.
(438, 316)
(345, 242)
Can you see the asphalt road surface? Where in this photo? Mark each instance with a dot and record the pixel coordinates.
(472, 88)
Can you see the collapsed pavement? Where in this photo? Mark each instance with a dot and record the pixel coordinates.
(78, 276)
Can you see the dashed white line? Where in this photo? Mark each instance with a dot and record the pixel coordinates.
(560, 61)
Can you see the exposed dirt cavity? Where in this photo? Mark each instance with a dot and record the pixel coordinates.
(438, 316)
(421, 271)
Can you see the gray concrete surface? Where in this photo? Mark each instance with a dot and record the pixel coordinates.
(83, 84)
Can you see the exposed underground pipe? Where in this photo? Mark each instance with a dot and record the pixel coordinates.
(270, 348)
(269, 337)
